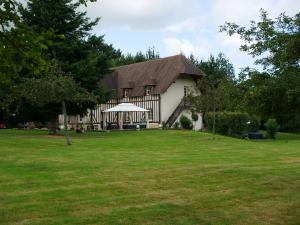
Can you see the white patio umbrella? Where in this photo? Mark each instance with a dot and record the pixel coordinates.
(125, 107)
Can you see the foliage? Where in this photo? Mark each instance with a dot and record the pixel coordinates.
(279, 39)
(195, 117)
(216, 68)
(176, 125)
(253, 124)
(21, 49)
(138, 57)
(274, 92)
(59, 88)
(185, 122)
(272, 127)
(228, 123)
(214, 90)
(84, 57)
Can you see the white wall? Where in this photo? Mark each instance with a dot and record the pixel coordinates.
(172, 97)
(174, 94)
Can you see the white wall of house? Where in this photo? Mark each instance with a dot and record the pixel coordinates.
(173, 96)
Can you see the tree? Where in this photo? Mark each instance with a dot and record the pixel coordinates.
(213, 91)
(276, 46)
(21, 49)
(61, 90)
(276, 41)
(138, 57)
(84, 57)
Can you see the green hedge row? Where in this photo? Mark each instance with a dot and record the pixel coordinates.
(232, 123)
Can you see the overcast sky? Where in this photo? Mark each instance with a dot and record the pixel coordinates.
(187, 26)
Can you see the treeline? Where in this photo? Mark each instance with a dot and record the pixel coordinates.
(273, 92)
(51, 62)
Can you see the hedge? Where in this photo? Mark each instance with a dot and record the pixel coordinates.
(232, 123)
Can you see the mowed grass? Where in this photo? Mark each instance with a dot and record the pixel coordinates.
(148, 177)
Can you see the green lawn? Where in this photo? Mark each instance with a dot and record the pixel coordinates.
(148, 177)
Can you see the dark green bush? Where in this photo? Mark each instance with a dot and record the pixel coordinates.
(228, 123)
(272, 127)
(176, 125)
(185, 122)
(253, 124)
(195, 117)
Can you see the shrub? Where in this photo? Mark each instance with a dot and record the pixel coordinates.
(253, 124)
(195, 117)
(228, 123)
(176, 125)
(185, 122)
(272, 127)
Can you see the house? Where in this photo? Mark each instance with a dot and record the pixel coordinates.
(157, 85)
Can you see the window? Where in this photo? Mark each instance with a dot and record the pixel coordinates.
(150, 114)
(148, 90)
(185, 91)
(126, 92)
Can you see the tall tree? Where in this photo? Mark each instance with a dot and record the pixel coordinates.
(62, 91)
(84, 57)
(126, 59)
(213, 91)
(275, 43)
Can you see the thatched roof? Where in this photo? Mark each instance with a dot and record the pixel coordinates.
(160, 73)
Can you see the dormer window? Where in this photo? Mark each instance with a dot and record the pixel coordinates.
(126, 92)
(148, 90)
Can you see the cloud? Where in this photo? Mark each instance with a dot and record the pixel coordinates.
(142, 14)
(190, 24)
(175, 45)
(242, 11)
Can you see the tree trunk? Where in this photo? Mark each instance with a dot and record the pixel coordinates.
(52, 126)
(64, 109)
(214, 120)
(91, 121)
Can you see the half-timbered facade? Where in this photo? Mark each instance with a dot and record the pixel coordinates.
(157, 85)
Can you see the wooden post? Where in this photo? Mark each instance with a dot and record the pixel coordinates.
(121, 121)
(147, 119)
(104, 120)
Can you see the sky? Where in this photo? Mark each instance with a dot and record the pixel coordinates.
(181, 26)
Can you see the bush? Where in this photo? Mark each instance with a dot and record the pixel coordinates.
(176, 125)
(195, 117)
(272, 127)
(228, 123)
(253, 124)
(185, 122)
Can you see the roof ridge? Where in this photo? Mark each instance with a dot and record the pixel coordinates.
(151, 60)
